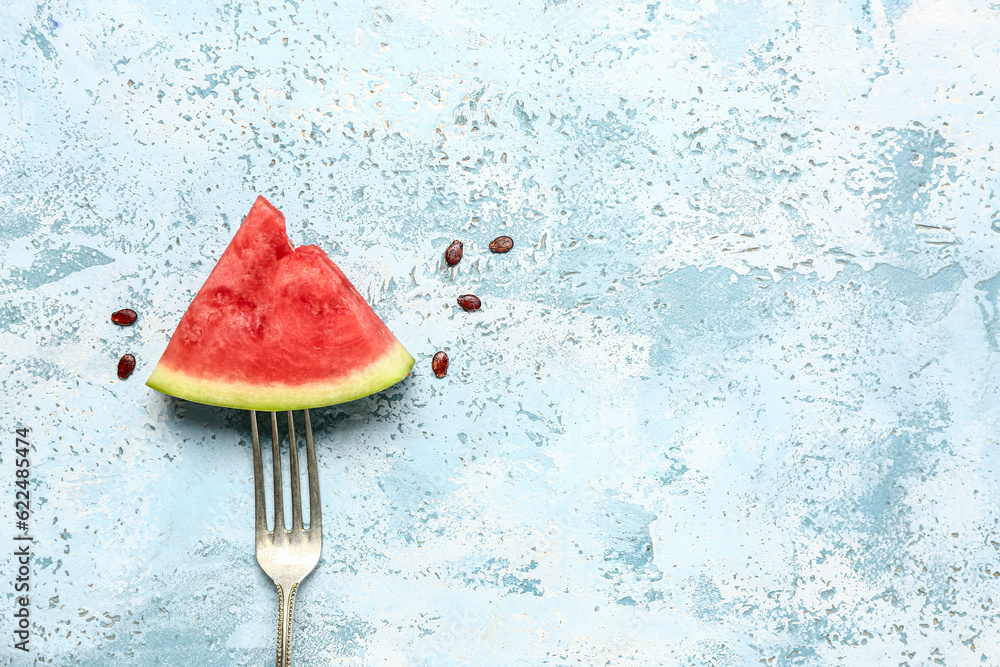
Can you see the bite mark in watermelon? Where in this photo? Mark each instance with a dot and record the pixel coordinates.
(277, 327)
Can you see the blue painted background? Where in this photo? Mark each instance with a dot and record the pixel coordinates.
(731, 400)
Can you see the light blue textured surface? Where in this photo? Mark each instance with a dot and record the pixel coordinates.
(731, 399)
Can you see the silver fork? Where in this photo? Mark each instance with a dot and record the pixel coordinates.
(286, 555)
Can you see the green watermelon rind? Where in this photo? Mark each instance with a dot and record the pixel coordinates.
(392, 367)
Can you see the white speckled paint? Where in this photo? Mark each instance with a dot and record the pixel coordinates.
(731, 400)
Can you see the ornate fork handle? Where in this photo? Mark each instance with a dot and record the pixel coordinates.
(285, 606)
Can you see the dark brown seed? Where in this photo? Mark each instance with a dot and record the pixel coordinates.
(439, 364)
(469, 302)
(124, 317)
(453, 254)
(501, 244)
(125, 366)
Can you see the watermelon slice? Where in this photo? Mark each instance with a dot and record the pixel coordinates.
(277, 327)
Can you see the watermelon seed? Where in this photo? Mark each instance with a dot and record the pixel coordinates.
(124, 317)
(469, 302)
(125, 366)
(501, 244)
(439, 364)
(454, 253)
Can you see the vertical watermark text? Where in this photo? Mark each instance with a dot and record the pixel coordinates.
(22, 539)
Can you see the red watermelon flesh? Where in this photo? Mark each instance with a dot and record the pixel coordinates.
(277, 327)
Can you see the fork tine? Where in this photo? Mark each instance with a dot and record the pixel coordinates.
(258, 479)
(293, 465)
(279, 507)
(315, 515)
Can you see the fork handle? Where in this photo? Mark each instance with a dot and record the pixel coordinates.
(285, 604)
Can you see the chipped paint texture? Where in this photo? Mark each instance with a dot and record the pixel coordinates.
(732, 398)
